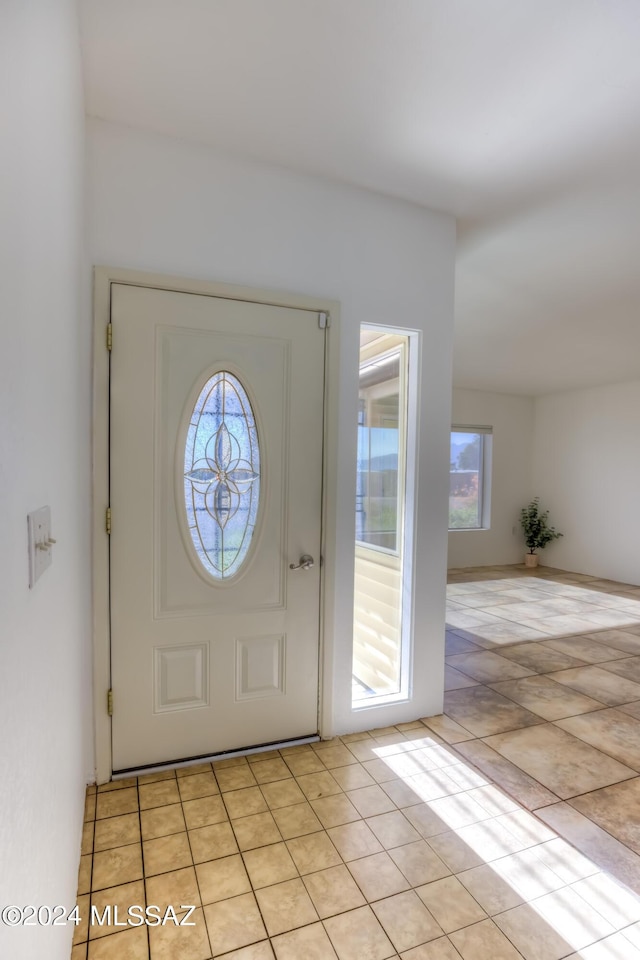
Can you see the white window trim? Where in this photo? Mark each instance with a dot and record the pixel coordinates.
(410, 367)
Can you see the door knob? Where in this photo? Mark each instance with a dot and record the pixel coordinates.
(304, 563)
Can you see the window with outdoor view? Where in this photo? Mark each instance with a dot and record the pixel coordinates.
(380, 433)
(385, 497)
(468, 478)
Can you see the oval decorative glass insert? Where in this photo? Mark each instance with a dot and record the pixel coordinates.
(222, 475)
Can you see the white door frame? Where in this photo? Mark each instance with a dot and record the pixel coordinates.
(103, 277)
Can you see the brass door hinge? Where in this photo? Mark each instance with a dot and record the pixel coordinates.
(109, 336)
(108, 520)
(110, 702)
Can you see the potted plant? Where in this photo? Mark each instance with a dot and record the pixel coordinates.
(537, 532)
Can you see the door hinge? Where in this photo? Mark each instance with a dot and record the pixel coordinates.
(323, 320)
(108, 520)
(110, 702)
(109, 336)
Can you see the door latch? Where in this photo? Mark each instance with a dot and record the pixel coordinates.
(305, 563)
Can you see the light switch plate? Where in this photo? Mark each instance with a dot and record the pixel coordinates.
(40, 543)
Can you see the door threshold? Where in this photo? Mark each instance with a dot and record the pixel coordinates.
(212, 757)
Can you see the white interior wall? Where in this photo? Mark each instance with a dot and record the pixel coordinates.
(164, 205)
(45, 713)
(586, 470)
(511, 484)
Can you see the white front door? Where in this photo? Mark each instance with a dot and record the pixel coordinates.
(216, 420)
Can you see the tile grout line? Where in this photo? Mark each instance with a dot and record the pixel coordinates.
(193, 863)
(144, 872)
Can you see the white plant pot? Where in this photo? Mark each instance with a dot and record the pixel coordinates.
(531, 559)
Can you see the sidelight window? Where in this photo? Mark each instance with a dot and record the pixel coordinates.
(384, 514)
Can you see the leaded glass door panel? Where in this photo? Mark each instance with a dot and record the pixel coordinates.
(216, 487)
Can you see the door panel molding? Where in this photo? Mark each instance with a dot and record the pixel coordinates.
(104, 277)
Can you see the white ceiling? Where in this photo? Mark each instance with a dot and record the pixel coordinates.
(521, 117)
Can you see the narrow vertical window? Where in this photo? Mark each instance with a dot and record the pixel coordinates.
(378, 501)
(468, 478)
(222, 475)
(384, 517)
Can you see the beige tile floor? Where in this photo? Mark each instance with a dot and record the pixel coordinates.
(508, 827)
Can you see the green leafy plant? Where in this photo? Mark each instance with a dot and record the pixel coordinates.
(463, 517)
(535, 524)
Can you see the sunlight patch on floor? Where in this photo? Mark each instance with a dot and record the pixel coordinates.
(571, 899)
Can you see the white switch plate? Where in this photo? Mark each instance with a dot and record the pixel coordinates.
(40, 544)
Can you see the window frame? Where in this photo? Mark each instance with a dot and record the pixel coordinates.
(484, 475)
(410, 343)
